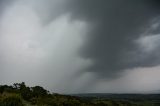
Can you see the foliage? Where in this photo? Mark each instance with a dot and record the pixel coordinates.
(10, 100)
(19, 94)
(38, 91)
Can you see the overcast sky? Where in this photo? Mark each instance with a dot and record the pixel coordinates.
(81, 46)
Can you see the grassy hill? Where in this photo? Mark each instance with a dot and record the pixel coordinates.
(21, 95)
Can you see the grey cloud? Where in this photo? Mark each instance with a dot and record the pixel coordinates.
(4, 4)
(114, 29)
(116, 24)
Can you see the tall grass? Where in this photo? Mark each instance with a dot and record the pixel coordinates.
(8, 99)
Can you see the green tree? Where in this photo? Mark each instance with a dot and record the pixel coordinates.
(39, 91)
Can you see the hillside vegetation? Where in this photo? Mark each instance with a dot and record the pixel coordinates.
(21, 95)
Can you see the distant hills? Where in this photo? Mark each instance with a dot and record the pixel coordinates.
(119, 96)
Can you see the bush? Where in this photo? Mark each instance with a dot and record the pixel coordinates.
(11, 100)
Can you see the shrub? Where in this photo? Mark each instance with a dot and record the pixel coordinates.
(11, 100)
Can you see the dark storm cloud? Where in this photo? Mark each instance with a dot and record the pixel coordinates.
(115, 25)
(73, 45)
